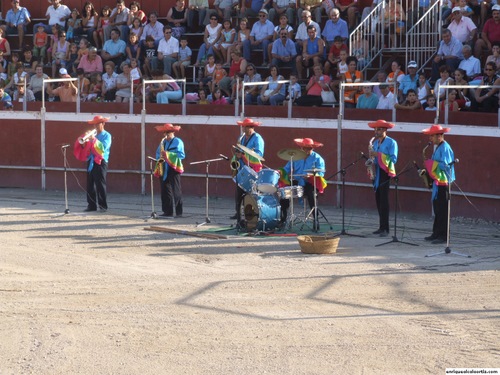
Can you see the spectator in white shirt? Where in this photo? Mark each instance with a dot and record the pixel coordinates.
(386, 100)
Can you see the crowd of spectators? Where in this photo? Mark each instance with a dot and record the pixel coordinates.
(111, 50)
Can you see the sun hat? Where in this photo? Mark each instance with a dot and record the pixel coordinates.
(435, 129)
(307, 142)
(381, 124)
(98, 120)
(168, 128)
(248, 122)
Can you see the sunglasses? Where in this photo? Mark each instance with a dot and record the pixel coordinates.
(248, 69)
(262, 16)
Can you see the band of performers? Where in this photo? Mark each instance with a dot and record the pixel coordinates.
(263, 195)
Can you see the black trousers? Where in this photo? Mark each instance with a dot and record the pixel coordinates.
(171, 193)
(440, 206)
(96, 183)
(382, 199)
(238, 198)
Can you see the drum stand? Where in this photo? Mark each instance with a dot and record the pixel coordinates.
(314, 211)
(291, 218)
(207, 162)
(153, 212)
(395, 237)
(448, 250)
(343, 172)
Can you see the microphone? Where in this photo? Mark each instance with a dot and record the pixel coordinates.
(456, 161)
(363, 155)
(224, 157)
(65, 146)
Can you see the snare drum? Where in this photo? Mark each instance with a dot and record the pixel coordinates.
(246, 178)
(267, 182)
(261, 212)
(290, 192)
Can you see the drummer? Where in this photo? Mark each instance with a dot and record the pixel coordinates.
(303, 173)
(252, 140)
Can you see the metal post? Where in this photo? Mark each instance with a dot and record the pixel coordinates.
(42, 146)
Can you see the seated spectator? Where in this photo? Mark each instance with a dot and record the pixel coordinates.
(274, 92)
(5, 99)
(449, 54)
(90, 22)
(470, 64)
(462, 27)
(260, 37)
(29, 62)
(40, 41)
(430, 103)
(137, 29)
(311, 6)
(445, 79)
(103, 23)
(67, 92)
(92, 62)
(352, 75)
(16, 77)
(148, 54)
(3, 70)
(57, 14)
(71, 65)
(118, 20)
(380, 77)
(423, 88)
(361, 50)
(74, 25)
(242, 35)
(411, 102)
(409, 81)
(16, 20)
(217, 76)
(184, 59)
(136, 12)
(218, 98)
(460, 79)
(205, 77)
(133, 49)
(227, 39)
(495, 54)
(168, 91)
(294, 90)
(252, 92)
(177, 18)
(197, 8)
(168, 50)
(19, 93)
(211, 38)
(317, 83)
(282, 7)
(313, 51)
(60, 53)
(36, 82)
(283, 51)
(283, 25)
(84, 84)
(109, 82)
(202, 95)
(114, 49)
(367, 100)
(387, 99)
(153, 29)
(238, 66)
(486, 100)
(123, 84)
(335, 27)
(95, 89)
(334, 54)
(450, 102)
(396, 76)
(490, 34)
(302, 34)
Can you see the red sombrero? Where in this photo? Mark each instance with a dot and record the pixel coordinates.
(381, 124)
(248, 122)
(307, 142)
(98, 120)
(435, 129)
(168, 128)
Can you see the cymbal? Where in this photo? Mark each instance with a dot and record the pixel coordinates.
(250, 152)
(314, 170)
(289, 153)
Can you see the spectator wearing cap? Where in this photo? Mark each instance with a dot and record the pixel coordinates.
(470, 64)
(19, 94)
(449, 54)
(409, 81)
(462, 27)
(260, 37)
(16, 19)
(490, 34)
(91, 62)
(67, 92)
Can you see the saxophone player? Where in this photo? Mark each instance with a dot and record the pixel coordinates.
(171, 151)
(384, 153)
(441, 170)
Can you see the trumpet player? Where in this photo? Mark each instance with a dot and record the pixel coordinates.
(384, 153)
(171, 152)
(98, 144)
(441, 170)
(254, 141)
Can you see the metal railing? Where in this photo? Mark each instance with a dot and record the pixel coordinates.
(182, 81)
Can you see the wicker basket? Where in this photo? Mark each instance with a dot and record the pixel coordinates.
(318, 244)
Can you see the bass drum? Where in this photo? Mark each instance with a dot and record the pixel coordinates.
(260, 212)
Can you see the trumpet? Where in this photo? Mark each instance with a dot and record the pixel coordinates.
(87, 136)
(369, 163)
(422, 172)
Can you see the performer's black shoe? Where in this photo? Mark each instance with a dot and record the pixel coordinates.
(438, 241)
(102, 209)
(234, 217)
(90, 209)
(432, 237)
(378, 231)
(384, 233)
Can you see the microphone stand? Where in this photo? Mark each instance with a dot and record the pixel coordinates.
(343, 172)
(395, 237)
(153, 212)
(63, 149)
(448, 249)
(207, 162)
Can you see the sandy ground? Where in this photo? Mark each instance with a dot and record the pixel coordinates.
(97, 294)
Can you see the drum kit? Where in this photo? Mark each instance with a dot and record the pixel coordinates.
(260, 207)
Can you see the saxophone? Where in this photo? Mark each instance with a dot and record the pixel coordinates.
(159, 167)
(422, 172)
(369, 163)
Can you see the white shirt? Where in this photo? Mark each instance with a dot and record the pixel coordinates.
(168, 47)
(55, 15)
(386, 102)
(155, 31)
(302, 31)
